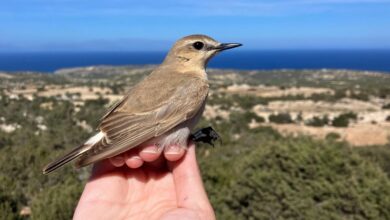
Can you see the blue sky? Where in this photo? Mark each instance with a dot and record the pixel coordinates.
(127, 25)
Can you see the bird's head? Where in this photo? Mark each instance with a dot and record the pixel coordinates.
(195, 51)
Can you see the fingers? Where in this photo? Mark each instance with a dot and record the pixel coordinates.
(150, 153)
(189, 185)
(133, 160)
(174, 152)
(118, 160)
(171, 153)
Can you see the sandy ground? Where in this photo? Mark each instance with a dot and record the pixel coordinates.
(368, 112)
(4, 75)
(213, 111)
(311, 106)
(356, 135)
(371, 127)
(273, 91)
(81, 93)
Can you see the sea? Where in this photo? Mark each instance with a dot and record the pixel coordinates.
(48, 62)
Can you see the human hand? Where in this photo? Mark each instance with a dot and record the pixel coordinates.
(166, 187)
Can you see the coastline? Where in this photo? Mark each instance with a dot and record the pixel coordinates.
(358, 60)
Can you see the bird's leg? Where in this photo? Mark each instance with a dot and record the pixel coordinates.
(206, 135)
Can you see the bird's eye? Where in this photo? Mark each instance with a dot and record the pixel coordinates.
(198, 45)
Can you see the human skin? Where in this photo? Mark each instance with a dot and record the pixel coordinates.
(144, 184)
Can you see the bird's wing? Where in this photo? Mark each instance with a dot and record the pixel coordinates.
(149, 110)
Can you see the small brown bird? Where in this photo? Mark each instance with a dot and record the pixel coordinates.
(161, 110)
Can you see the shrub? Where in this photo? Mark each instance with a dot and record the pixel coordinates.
(350, 115)
(248, 116)
(360, 96)
(248, 101)
(318, 122)
(295, 178)
(386, 106)
(281, 118)
(343, 120)
(41, 89)
(384, 93)
(332, 136)
(57, 202)
(340, 122)
(258, 175)
(377, 154)
(339, 94)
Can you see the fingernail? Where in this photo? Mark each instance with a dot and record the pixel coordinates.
(135, 158)
(150, 150)
(174, 149)
(117, 161)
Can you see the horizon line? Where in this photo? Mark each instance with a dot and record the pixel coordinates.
(165, 51)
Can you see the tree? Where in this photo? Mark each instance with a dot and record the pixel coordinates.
(281, 118)
(318, 122)
(343, 120)
(295, 178)
(386, 106)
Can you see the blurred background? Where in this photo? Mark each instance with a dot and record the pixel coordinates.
(303, 107)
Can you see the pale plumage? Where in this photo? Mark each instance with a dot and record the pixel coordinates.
(161, 110)
(133, 122)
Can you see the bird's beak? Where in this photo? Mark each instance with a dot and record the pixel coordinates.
(226, 46)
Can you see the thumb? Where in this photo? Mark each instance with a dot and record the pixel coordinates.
(188, 182)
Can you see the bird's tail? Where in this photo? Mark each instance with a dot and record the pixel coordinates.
(61, 161)
(75, 153)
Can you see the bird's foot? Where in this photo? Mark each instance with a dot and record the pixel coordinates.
(206, 135)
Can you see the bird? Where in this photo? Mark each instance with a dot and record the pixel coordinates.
(160, 110)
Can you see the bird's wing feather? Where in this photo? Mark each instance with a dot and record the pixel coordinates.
(60, 161)
(127, 125)
(112, 108)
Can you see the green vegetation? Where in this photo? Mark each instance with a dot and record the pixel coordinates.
(25, 151)
(93, 116)
(332, 136)
(249, 116)
(255, 174)
(41, 89)
(387, 106)
(343, 120)
(367, 84)
(384, 92)
(264, 176)
(282, 181)
(259, 175)
(281, 118)
(318, 122)
(378, 154)
(339, 94)
(360, 96)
